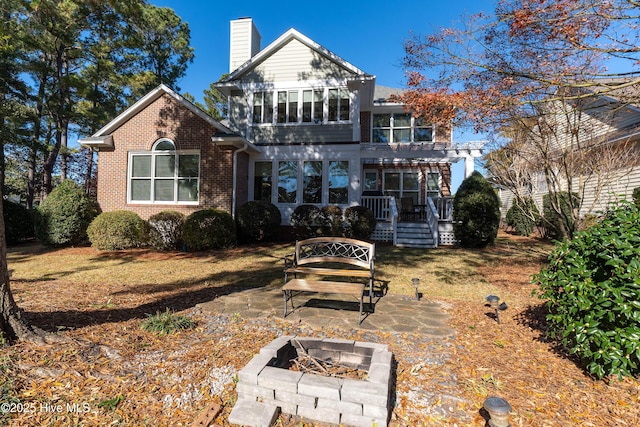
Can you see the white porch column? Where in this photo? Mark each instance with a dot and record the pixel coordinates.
(468, 166)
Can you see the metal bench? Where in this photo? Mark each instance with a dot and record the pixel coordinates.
(321, 257)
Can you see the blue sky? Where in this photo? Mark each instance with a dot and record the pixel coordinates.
(368, 34)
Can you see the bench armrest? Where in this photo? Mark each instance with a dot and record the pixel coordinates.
(289, 260)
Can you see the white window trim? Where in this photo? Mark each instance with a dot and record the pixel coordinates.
(391, 128)
(153, 153)
(300, 180)
(421, 180)
(301, 90)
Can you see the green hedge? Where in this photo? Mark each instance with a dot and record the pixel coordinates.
(209, 229)
(523, 216)
(165, 230)
(118, 230)
(304, 221)
(360, 222)
(18, 222)
(258, 221)
(592, 288)
(476, 212)
(560, 225)
(63, 217)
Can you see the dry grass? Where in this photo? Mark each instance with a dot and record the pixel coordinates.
(100, 299)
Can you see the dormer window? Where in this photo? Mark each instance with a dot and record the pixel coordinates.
(301, 106)
(400, 127)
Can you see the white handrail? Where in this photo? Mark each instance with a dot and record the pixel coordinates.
(432, 219)
(394, 219)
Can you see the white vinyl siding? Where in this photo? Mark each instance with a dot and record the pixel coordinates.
(294, 62)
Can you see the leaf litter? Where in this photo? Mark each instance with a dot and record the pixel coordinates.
(113, 373)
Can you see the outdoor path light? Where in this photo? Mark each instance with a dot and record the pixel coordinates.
(415, 281)
(494, 303)
(498, 410)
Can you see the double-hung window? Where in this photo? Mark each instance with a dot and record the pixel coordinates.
(263, 107)
(164, 175)
(338, 105)
(400, 127)
(301, 106)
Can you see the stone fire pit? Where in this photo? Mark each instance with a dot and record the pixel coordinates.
(266, 384)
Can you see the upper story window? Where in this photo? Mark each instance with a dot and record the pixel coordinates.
(308, 106)
(263, 107)
(400, 127)
(164, 175)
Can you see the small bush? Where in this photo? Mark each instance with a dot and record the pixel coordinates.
(117, 230)
(636, 196)
(258, 221)
(304, 221)
(563, 224)
(360, 222)
(523, 216)
(167, 323)
(63, 217)
(165, 230)
(476, 212)
(209, 229)
(18, 222)
(331, 221)
(592, 287)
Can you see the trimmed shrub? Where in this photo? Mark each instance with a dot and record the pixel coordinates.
(523, 216)
(304, 221)
(476, 212)
(360, 222)
(258, 221)
(592, 287)
(18, 222)
(636, 196)
(330, 221)
(558, 226)
(209, 229)
(63, 217)
(116, 230)
(165, 230)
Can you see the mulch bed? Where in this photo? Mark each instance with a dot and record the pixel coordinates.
(113, 373)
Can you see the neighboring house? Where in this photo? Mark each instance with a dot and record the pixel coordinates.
(608, 127)
(304, 127)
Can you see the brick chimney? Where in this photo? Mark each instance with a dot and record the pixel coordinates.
(245, 42)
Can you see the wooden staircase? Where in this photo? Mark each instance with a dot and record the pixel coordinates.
(415, 235)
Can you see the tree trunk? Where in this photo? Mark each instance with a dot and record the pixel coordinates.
(12, 324)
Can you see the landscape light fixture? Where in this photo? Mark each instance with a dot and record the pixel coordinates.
(494, 303)
(498, 410)
(415, 281)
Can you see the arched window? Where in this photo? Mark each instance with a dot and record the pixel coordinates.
(164, 175)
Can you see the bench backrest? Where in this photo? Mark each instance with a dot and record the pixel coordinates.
(335, 249)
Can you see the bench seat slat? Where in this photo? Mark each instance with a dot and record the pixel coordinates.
(329, 271)
(323, 286)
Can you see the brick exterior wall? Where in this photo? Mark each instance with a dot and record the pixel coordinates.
(365, 126)
(167, 118)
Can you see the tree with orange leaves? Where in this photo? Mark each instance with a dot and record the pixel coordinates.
(534, 69)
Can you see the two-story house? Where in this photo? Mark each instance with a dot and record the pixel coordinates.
(304, 127)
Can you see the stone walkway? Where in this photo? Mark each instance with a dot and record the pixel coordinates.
(392, 313)
(420, 327)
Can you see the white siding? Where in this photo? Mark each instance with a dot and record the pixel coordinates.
(294, 62)
(244, 43)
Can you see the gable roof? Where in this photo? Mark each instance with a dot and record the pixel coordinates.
(103, 138)
(285, 38)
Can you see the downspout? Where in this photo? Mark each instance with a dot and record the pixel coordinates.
(235, 178)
